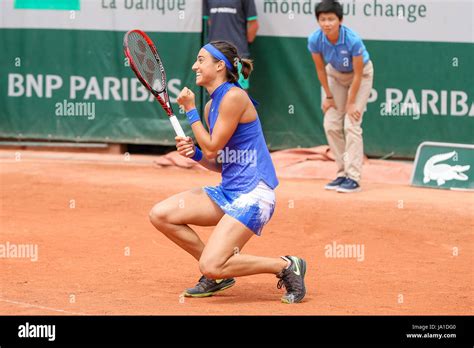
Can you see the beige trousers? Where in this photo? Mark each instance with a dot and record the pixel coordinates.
(344, 135)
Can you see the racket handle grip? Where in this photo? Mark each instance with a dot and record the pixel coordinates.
(178, 130)
(176, 126)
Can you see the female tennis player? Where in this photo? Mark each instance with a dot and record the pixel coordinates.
(244, 201)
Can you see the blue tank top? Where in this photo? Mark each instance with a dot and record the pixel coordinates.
(245, 158)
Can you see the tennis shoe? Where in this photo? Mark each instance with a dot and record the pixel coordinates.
(208, 287)
(292, 278)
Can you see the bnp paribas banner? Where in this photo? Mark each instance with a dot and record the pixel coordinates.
(423, 55)
(63, 74)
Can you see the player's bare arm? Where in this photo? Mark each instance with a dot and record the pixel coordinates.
(230, 112)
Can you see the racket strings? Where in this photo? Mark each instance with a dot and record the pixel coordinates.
(145, 61)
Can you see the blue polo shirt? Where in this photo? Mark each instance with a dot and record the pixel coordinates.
(339, 55)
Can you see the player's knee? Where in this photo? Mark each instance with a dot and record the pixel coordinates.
(210, 269)
(158, 215)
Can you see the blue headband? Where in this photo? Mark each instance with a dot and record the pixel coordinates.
(219, 55)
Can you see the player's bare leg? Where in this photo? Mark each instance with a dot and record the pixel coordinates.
(221, 258)
(222, 255)
(172, 216)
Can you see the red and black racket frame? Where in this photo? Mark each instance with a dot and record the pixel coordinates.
(162, 96)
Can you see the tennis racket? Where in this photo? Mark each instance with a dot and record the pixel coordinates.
(147, 65)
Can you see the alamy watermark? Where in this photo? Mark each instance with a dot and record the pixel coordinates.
(75, 109)
(28, 330)
(227, 155)
(19, 251)
(345, 251)
(400, 109)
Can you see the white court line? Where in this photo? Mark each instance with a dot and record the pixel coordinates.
(41, 307)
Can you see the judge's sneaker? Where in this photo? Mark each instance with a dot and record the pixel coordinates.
(333, 185)
(292, 278)
(348, 185)
(208, 287)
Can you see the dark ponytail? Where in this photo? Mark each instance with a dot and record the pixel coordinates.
(247, 67)
(230, 51)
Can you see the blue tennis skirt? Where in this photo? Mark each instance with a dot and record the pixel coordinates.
(254, 209)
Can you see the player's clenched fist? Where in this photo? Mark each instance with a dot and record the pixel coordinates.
(186, 99)
(185, 146)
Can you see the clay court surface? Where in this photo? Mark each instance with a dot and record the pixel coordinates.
(418, 245)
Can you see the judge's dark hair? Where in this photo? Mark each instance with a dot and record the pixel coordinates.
(329, 6)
